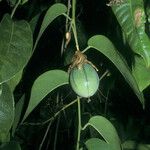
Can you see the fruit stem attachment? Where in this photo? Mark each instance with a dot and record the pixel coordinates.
(79, 123)
(73, 24)
(86, 49)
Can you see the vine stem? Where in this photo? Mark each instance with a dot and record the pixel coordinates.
(14, 9)
(79, 123)
(86, 49)
(56, 114)
(73, 23)
(104, 74)
(45, 135)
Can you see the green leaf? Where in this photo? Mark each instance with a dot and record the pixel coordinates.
(143, 147)
(43, 85)
(6, 111)
(104, 45)
(141, 73)
(15, 80)
(10, 146)
(131, 16)
(18, 111)
(52, 13)
(34, 21)
(129, 145)
(106, 130)
(12, 2)
(23, 2)
(15, 47)
(132, 145)
(97, 144)
(148, 15)
(148, 12)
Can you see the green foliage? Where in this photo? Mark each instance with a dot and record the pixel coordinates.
(30, 85)
(106, 130)
(102, 44)
(13, 82)
(10, 145)
(23, 2)
(141, 73)
(97, 144)
(6, 112)
(13, 2)
(132, 145)
(51, 14)
(43, 85)
(18, 111)
(33, 22)
(15, 49)
(131, 16)
(148, 12)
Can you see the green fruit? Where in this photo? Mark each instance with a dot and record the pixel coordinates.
(84, 81)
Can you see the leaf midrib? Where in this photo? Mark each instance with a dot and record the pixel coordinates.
(132, 18)
(11, 36)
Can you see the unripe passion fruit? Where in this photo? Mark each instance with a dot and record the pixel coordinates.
(84, 81)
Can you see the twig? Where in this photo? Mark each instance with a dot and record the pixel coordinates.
(14, 9)
(79, 124)
(45, 135)
(73, 24)
(52, 118)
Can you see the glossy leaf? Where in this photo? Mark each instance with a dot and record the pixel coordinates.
(43, 85)
(15, 49)
(52, 13)
(10, 146)
(104, 45)
(131, 16)
(6, 111)
(97, 144)
(106, 130)
(141, 73)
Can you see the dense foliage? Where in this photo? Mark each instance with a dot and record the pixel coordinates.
(51, 54)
